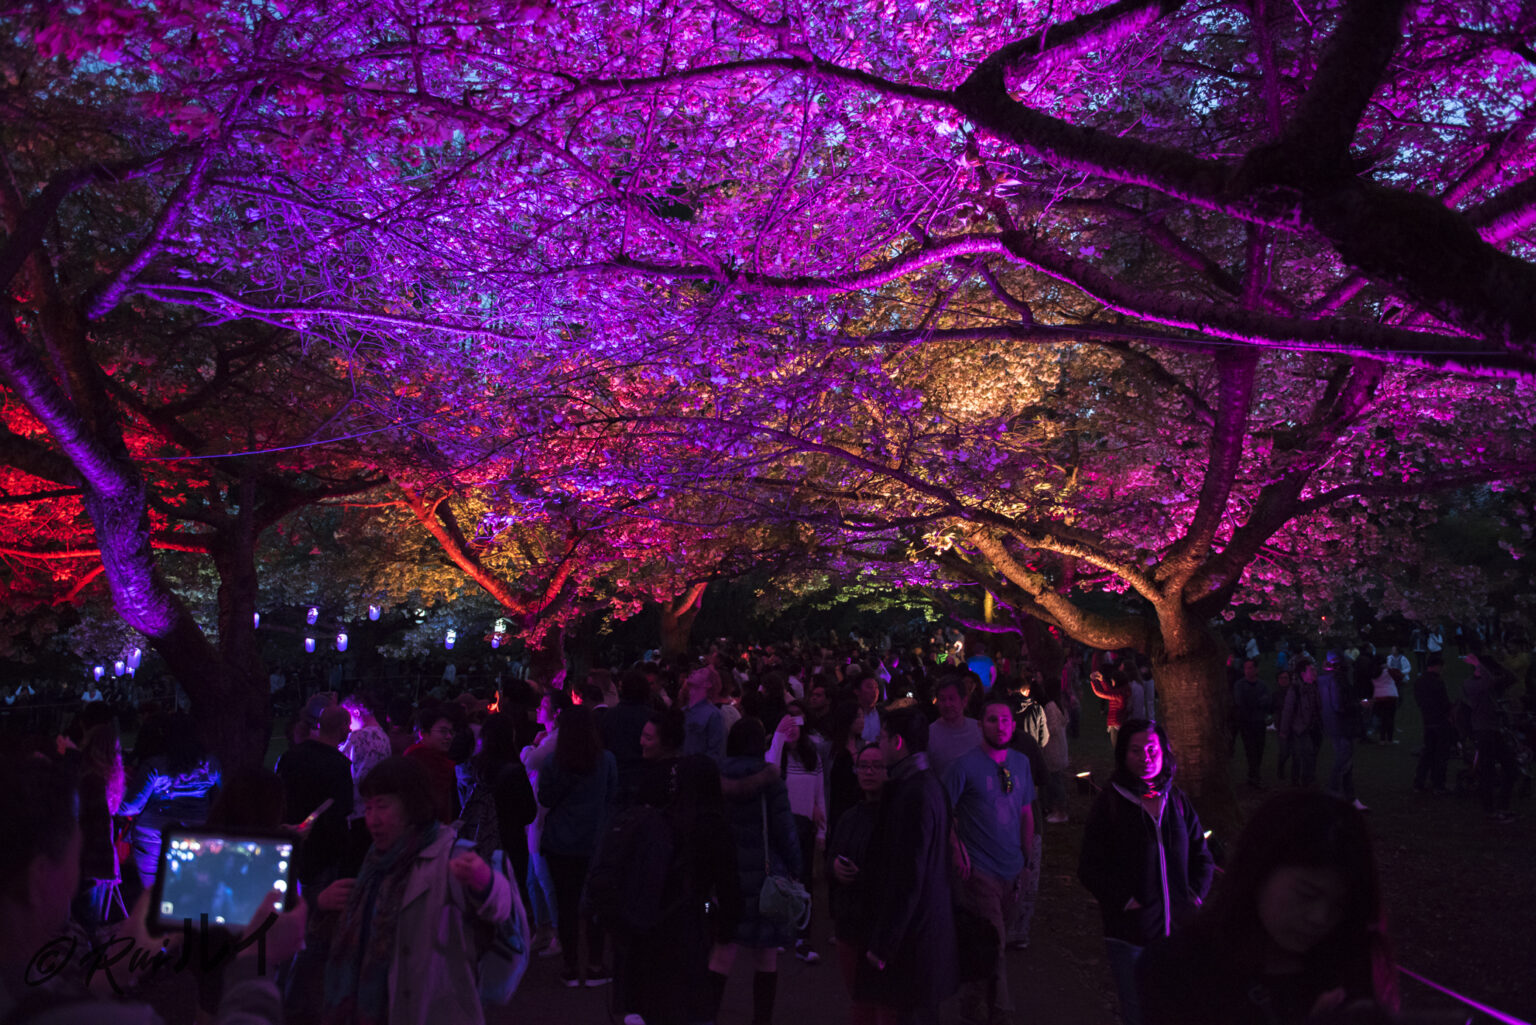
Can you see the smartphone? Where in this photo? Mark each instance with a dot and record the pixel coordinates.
(222, 874)
(797, 720)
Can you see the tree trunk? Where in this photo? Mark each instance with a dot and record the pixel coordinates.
(677, 618)
(1189, 667)
(232, 705)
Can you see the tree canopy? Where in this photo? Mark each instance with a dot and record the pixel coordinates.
(1190, 301)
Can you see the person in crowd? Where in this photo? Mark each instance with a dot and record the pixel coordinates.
(1144, 856)
(577, 786)
(794, 753)
(661, 743)
(1343, 723)
(434, 739)
(1056, 754)
(367, 744)
(848, 850)
(1496, 769)
(314, 771)
(763, 828)
(910, 961)
(1399, 661)
(666, 969)
(398, 727)
(542, 906)
(1116, 692)
(1384, 697)
(621, 727)
(501, 804)
(102, 785)
(704, 723)
(953, 733)
(1439, 730)
(404, 946)
(1295, 929)
(992, 792)
(1301, 725)
(867, 690)
(39, 874)
(842, 785)
(1251, 704)
(176, 783)
(1284, 683)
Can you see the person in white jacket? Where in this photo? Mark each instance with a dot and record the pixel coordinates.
(797, 756)
(404, 949)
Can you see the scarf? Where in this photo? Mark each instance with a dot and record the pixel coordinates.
(357, 973)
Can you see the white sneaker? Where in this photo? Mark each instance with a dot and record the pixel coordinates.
(633, 1019)
(1359, 806)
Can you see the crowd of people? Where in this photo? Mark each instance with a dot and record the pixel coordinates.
(661, 822)
(1351, 696)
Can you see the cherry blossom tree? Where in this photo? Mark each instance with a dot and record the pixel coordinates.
(699, 218)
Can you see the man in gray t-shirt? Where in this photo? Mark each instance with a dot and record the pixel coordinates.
(992, 793)
(952, 734)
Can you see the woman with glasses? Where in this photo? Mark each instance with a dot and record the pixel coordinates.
(846, 852)
(1144, 855)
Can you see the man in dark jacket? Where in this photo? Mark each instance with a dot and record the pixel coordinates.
(314, 771)
(1439, 732)
(621, 726)
(1251, 703)
(911, 962)
(1343, 722)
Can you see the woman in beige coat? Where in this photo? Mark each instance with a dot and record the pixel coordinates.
(404, 950)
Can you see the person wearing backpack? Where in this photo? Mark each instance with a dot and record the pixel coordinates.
(661, 909)
(578, 786)
(763, 827)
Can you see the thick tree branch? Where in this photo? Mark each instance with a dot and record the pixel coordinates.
(1317, 138)
(1235, 371)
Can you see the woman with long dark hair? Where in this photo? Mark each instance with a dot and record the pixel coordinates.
(501, 803)
(1295, 929)
(577, 786)
(1144, 855)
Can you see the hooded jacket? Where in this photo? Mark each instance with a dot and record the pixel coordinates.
(1159, 863)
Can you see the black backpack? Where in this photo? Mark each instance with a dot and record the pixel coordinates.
(627, 880)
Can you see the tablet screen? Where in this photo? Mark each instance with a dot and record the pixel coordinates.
(224, 877)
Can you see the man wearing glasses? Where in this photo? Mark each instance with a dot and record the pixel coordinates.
(992, 792)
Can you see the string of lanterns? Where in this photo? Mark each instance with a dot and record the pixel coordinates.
(130, 662)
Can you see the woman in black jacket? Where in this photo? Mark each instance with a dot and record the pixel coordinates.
(1144, 855)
